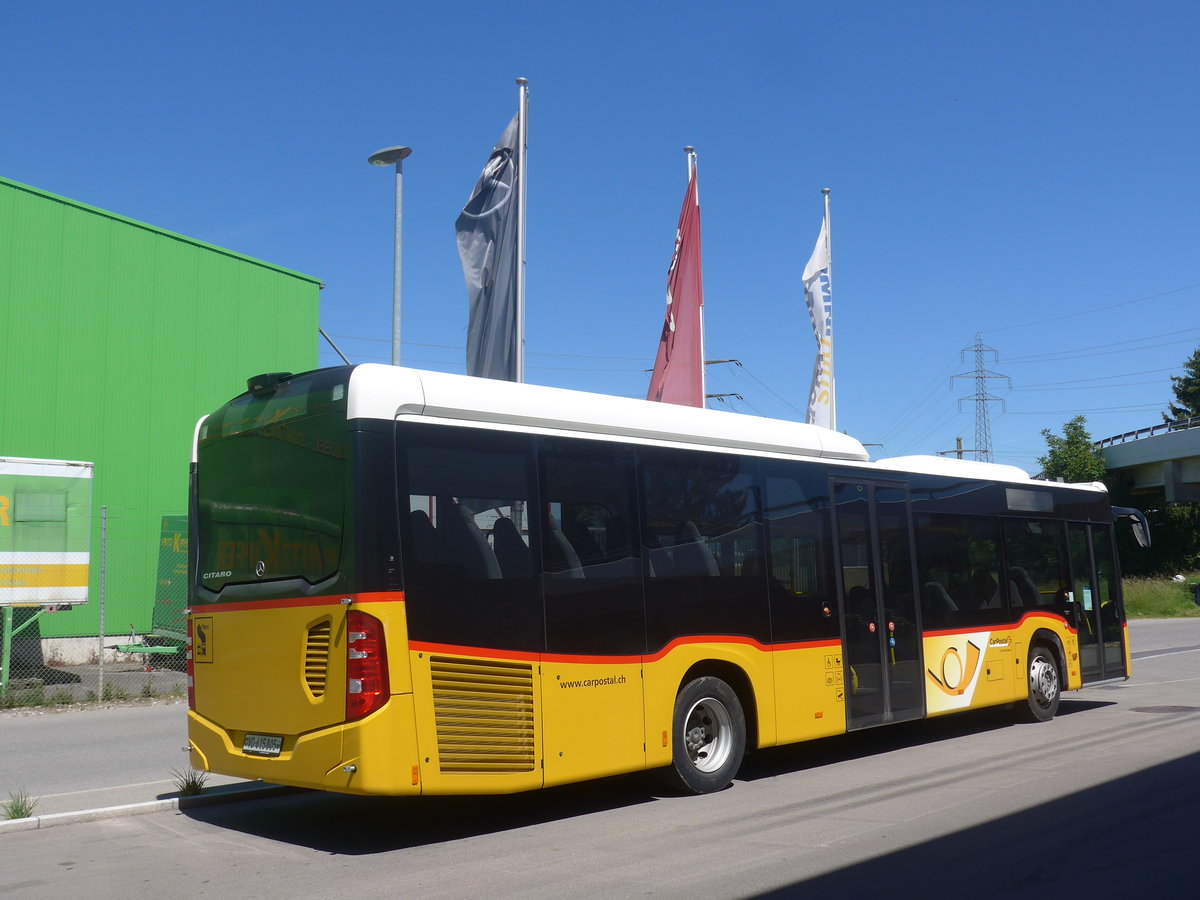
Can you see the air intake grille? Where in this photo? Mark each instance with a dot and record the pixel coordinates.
(484, 715)
(316, 658)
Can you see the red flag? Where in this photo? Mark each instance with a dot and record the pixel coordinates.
(679, 367)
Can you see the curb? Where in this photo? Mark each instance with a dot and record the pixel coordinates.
(234, 793)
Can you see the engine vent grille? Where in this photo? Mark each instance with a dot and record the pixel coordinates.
(316, 657)
(483, 712)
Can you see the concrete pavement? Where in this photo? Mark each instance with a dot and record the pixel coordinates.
(117, 760)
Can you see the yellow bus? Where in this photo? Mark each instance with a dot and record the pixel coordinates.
(407, 582)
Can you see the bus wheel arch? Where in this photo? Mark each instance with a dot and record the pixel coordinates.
(709, 729)
(1045, 676)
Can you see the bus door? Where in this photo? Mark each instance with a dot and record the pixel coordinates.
(1097, 608)
(880, 626)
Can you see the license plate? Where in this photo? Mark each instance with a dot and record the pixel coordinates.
(262, 744)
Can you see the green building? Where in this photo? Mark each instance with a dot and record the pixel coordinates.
(115, 337)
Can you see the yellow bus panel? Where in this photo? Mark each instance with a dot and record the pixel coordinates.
(592, 719)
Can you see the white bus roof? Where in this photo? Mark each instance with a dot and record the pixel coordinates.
(388, 392)
(969, 468)
(960, 468)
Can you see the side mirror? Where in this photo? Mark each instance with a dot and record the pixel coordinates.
(1137, 521)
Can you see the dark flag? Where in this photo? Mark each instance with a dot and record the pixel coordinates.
(487, 245)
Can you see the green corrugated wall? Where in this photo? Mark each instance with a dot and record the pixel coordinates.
(115, 336)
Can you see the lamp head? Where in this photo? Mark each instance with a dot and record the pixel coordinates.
(388, 156)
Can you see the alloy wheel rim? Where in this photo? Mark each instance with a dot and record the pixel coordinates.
(707, 734)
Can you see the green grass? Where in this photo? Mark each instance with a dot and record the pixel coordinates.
(1161, 598)
(37, 697)
(111, 692)
(20, 698)
(30, 696)
(18, 806)
(189, 783)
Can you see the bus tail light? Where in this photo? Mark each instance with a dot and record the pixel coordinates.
(367, 687)
(191, 668)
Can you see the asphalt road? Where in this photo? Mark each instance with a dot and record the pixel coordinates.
(1101, 802)
(83, 759)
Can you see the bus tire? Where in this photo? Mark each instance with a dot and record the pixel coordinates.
(1045, 685)
(709, 730)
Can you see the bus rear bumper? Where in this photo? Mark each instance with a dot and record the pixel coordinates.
(375, 756)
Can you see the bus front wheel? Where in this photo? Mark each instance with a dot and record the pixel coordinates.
(1045, 685)
(709, 730)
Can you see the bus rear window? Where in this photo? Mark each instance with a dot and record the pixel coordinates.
(270, 502)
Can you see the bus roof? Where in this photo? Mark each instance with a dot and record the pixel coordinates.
(972, 469)
(961, 468)
(387, 392)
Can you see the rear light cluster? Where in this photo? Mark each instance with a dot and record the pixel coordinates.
(191, 666)
(367, 687)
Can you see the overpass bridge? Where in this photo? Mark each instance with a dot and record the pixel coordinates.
(1162, 458)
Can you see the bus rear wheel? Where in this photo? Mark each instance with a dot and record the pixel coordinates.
(709, 730)
(1045, 685)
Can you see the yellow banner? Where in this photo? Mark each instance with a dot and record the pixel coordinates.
(34, 575)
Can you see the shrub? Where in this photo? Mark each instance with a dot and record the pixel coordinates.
(19, 805)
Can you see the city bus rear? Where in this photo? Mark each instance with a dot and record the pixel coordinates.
(298, 669)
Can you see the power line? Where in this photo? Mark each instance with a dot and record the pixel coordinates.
(890, 429)
(1102, 378)
(722, 375)
(1092, 310)
(351, 337)
(769, 390)
(925, 435)
(1060, 354)
(1085, 387)
(1102, 409)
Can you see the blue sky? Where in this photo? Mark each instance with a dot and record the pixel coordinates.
(1027, 172)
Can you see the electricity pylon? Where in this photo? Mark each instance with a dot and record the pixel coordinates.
(983, 424)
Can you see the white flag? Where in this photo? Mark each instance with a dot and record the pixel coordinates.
(820, 309)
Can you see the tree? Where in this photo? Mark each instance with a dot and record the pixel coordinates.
(1187, 391)
(1072, 457)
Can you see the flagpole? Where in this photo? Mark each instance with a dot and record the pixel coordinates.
(829, 280)
(691, 172)
(522, 139)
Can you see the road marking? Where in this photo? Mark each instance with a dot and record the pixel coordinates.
(115, 787)
(1172, 652)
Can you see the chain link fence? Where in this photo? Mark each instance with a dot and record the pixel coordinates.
(98, 622)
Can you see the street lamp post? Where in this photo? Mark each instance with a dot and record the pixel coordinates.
(386, 157)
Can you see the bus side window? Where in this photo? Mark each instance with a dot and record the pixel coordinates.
(702, 537)
(591, 576)
(462, 544)
(512, 553)
(958, 568)
(796, 510)
(1037, 558)
(701, 515)
(558, 556)
(468, 570)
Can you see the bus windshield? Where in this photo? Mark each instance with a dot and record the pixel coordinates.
(271, 483)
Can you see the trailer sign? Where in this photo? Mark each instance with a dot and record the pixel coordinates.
(45, 531)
